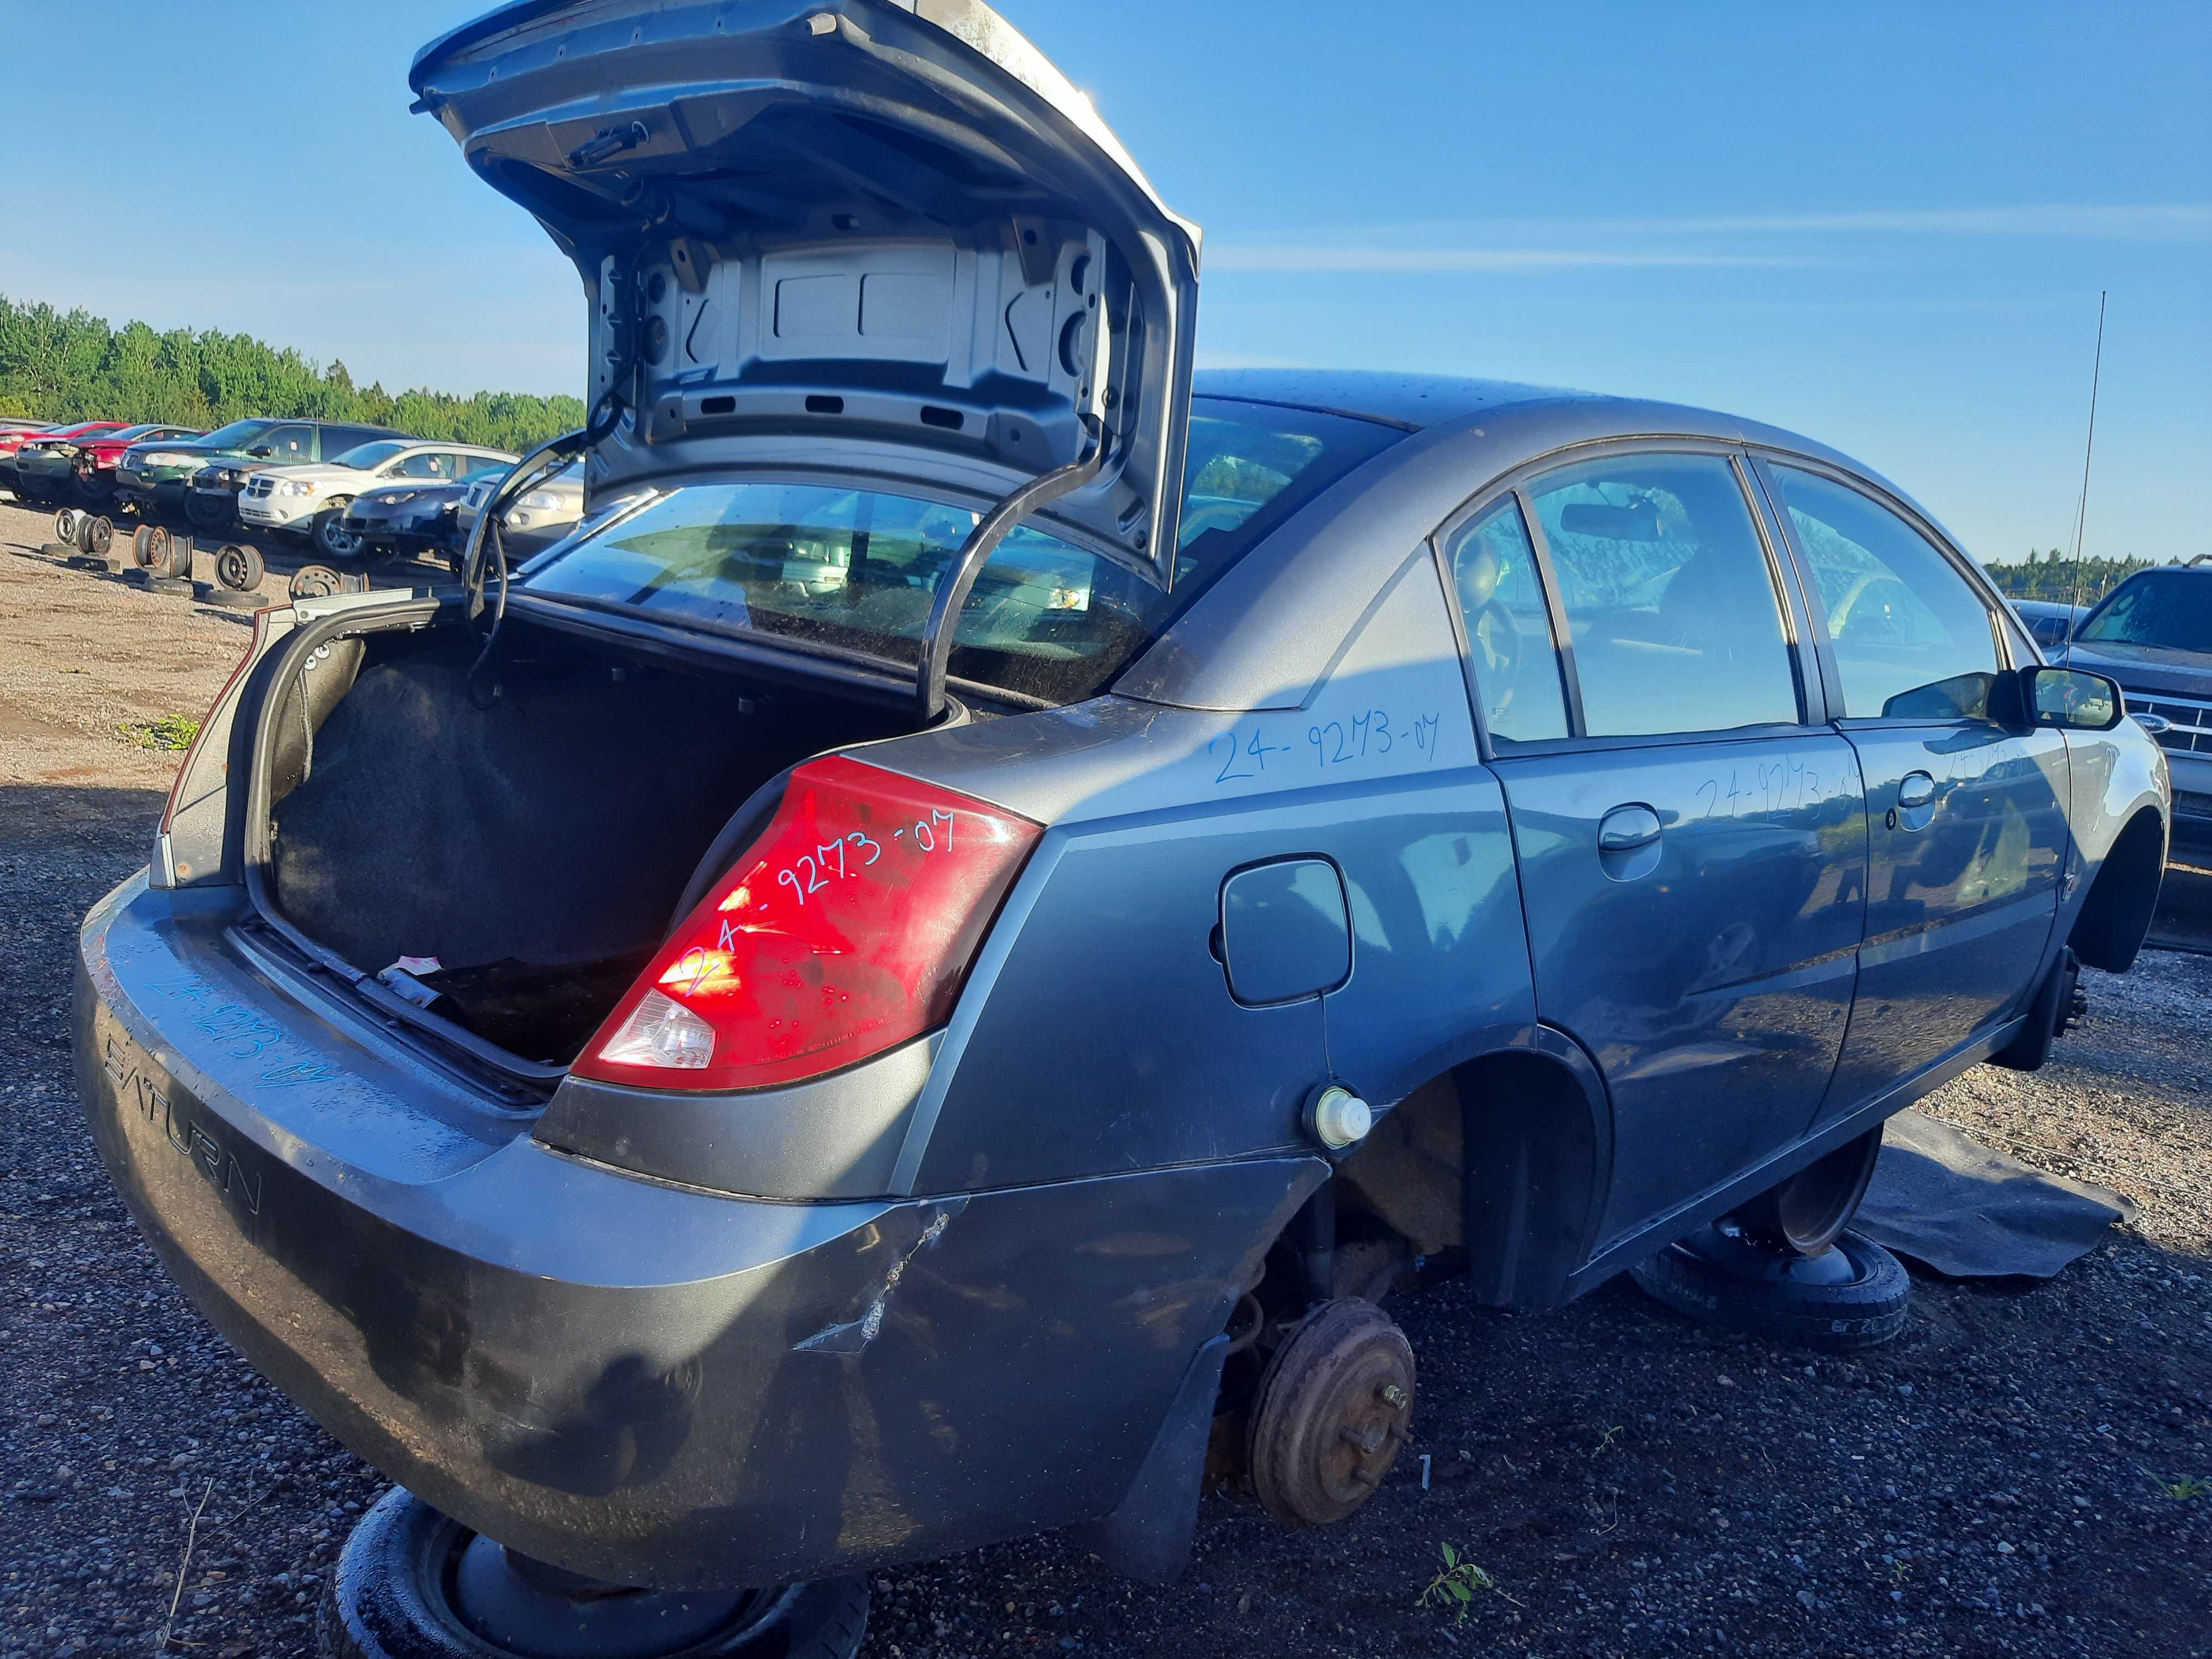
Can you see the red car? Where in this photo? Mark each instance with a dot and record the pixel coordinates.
(95, 460)
(12, 443)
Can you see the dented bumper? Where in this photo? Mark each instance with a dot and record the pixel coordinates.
(642, 1381)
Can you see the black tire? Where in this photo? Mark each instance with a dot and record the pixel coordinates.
(205, 514)
(239, 568)
(394, 1595)
(330, 537)
(1853, 1295)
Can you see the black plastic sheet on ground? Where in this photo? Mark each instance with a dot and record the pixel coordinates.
(1965, 1212)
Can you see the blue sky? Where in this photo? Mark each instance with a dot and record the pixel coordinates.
(1882, 225)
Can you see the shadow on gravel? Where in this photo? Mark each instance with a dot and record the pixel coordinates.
(2183, 921)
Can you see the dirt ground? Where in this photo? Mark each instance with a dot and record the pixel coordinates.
(2026, 1471)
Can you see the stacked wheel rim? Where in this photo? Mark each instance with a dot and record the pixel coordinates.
(315, 581)
(160, 553)
(65, 526)
(96, 535)
(239, 568)
(141, 540)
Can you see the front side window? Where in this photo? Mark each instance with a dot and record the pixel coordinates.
(1669, 597)
(2164, 610)
(1509, 635)
(857, 569)
(1912, 639)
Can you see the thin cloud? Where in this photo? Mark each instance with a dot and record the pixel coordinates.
(2177, 221)
(1335, 257)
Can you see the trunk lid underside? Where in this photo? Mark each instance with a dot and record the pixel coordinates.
(852, 235)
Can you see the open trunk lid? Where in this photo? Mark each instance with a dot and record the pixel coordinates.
(882, 238)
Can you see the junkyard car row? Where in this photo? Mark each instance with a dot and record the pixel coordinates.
(976, 911)
(288, 481)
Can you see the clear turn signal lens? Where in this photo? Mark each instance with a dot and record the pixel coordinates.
(662, 1031)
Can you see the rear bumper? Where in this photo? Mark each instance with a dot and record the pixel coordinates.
(647, 1382)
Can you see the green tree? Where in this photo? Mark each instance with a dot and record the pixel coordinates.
(60, 366)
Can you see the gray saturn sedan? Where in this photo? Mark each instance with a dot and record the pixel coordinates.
(992, 900)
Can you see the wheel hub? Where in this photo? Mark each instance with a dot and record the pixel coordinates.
(1333, 1414)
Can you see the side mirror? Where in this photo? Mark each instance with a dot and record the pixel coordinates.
(2073, 699)
(261, 452)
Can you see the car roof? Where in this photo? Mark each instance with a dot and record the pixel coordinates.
(1264, 633)
(1505, 409)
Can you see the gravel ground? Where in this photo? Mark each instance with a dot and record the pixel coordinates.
(2016, 1474)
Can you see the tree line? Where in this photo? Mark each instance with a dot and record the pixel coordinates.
(2062, 581)
(72, 365)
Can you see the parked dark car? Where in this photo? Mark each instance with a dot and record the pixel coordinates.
(152, 478)
(988, 903)
(2153, 634)
(213, 479)
(403, 520)
(2047, 621)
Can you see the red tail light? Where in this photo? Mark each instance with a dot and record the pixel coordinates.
(845, 930)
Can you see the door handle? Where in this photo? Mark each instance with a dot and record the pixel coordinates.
(1625, 829)
(1915, 789)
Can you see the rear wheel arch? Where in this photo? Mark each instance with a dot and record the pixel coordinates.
(1507, 1157)
(2117, 912)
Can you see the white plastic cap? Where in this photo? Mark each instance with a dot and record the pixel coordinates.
(1340, 1118)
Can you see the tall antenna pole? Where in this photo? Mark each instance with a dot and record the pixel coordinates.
(2082, 506)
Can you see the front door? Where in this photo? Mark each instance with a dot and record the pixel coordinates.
(1967, 818)
(1692, 846)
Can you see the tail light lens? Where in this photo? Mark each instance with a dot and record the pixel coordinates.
(845, 930)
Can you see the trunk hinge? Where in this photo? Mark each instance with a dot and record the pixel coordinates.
(968, 563)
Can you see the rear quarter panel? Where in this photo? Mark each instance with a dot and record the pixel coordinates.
(1097, 1032)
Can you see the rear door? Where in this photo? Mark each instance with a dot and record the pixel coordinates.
(1966, 816)
(1690, 833)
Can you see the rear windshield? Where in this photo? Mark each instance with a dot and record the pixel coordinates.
(2169, 610)
(857, 569)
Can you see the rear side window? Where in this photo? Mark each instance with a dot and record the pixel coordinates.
(857, 569)
(1912, 640)
(337, 439)
(1508, 633)
(1676, 623)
